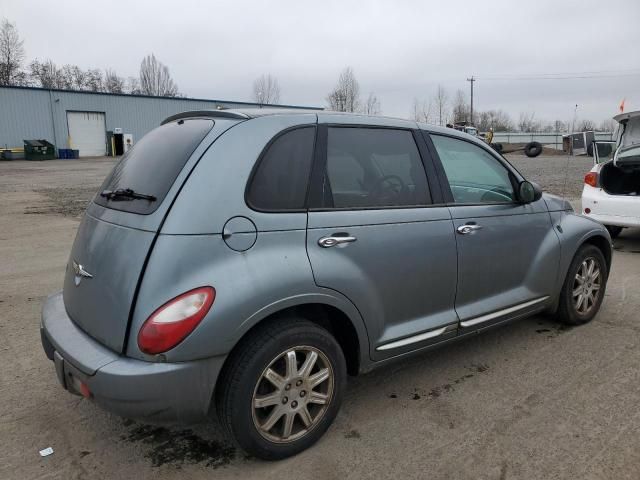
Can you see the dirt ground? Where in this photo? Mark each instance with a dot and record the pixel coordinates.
(530, 400)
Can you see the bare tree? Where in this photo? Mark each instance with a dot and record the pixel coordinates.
(441, 100)
(528, 123)
(372, 105)
(421, 110)
(461, 108)
(585, 126)
(155, 78)
(113, 83)
(132, 86)
(266, 89)
(608, 125)
(345, 97)
(46, 74)
(559, 126)
(11, 55)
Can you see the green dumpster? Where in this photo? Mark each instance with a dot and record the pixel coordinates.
(39, 150)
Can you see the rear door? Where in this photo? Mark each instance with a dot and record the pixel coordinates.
(508, 252)
(378, 234)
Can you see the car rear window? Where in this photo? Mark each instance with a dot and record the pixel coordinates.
(152, 165)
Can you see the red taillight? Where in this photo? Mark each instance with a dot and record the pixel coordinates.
(172, 322)
(591, 178)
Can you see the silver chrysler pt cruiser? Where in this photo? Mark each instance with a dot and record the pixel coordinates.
(240, 264)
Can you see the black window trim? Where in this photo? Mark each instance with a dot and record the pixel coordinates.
(316, 197)
(514, 176)
(263, 153)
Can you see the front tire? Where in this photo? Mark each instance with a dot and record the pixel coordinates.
(584, 287)
(282, 388)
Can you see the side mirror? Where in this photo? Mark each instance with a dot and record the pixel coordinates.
(529, 192)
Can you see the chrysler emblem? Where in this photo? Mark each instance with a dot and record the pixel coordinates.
(80, 272)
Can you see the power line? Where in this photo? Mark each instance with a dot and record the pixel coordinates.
(565, 75)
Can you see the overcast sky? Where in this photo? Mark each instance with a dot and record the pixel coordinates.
(398, 49)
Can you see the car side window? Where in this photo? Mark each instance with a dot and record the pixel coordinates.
(373, 168)
(474, 175)
(282, 176)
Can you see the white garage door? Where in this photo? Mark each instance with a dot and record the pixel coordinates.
(87, 133)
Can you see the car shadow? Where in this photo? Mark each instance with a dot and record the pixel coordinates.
(628, 241)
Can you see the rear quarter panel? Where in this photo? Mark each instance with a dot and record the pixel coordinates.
(190, 252)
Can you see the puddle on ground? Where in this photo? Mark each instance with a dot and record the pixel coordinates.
(169, 447)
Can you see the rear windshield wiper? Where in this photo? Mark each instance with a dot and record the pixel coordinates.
(126, 194)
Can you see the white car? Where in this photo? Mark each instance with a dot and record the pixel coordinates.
(611, 193)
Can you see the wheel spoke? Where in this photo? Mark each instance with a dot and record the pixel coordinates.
(308, 364)
(579, 278)
(595, 275)
(595, 287)
(305, 416)
(288, 424)
(292, 364)
(577, 291)
(274, 378)
(318, 377)
(579, 302)
(272, 419)
(266, 400)
(591, 263)
(317, 397)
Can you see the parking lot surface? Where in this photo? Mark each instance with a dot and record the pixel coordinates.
(529, 400)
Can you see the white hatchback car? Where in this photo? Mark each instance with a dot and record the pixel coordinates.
(611, 193)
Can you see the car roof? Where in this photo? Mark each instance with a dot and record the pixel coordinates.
(326, 116)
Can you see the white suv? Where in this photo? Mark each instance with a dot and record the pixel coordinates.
(611, 193)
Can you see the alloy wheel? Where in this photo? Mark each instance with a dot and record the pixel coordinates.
(292, 394)
(586, 286)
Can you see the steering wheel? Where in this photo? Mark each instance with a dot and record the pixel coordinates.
(387, 187)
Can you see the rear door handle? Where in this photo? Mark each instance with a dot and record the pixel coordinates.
(466, 229)
(333, 240)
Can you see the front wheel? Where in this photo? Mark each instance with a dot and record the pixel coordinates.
(584, 286)
(282, 388)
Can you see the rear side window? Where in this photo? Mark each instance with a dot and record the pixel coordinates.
(373, 168)
(151, 167)
(282, 175)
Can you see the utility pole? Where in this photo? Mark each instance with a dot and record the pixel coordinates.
(471, 80)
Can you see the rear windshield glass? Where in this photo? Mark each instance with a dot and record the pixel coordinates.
(152, 165)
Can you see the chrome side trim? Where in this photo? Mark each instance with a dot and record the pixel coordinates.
(500, 313)
(417, 338)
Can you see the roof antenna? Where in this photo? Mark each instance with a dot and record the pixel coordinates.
(570, 152)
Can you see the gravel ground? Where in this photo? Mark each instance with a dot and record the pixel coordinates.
(529, 400)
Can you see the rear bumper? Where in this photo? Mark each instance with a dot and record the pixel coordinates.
(616, 210)
(149, 391)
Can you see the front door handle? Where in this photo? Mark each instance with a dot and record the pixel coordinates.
(466, 229)
(333, 240)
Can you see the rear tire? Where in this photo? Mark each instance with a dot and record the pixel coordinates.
(583, 289)
(266, 377)
(613, 230)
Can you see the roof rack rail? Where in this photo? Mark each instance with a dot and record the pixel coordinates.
(206, 113)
